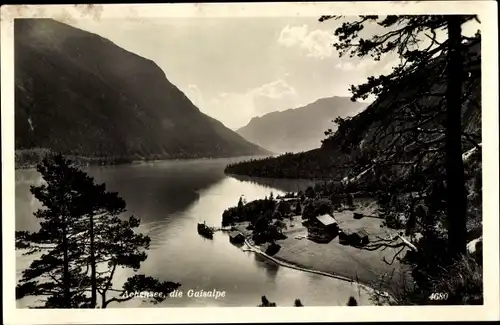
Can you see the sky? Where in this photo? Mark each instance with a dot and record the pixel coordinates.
(234, 69)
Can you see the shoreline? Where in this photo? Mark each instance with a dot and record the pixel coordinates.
(82, 161)
(336, 260)
(309, 179)
(369, 291)
(285, 263)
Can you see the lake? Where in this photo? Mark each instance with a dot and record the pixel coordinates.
(170, 198)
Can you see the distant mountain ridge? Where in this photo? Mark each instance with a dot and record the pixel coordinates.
(80, 94)
(338, 155)
(299, 129)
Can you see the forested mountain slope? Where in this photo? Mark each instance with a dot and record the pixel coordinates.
(395, 124)
(298, 129)
(82, 95)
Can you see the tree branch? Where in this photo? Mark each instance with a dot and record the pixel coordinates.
(470, 138)
(115, 299)
(394, 257)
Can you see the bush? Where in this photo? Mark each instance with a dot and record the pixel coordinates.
(462, 283)
(310, 192)
(298, 303)
(436, 279)
(266, 303)
(247, 211)
(352, 301)
(316, 208)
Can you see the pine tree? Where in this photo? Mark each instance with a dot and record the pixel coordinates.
(352, 301)
(298, 303)
(86, 240)
(350, 201)
(56, 274)
(429, 120)
(298, 208)
(310, 193)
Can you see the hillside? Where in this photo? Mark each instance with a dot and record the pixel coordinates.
(80, 94)
(384, 128)
(298, 129)
(393, 156)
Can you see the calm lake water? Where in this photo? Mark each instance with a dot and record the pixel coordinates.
(171, 197)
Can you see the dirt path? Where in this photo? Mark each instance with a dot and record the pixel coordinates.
(342, 261)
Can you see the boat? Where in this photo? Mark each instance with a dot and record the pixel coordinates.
(205, 230)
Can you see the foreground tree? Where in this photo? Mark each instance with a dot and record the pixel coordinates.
(352, 301)
(84, 241)
(298, 303)
(266, 303)
(113, 244)
(56, 274)
(415, 40)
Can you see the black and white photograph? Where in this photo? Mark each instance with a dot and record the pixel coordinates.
(227, 155)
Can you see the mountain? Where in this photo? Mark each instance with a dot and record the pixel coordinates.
(384, 128)
(298, 129)
(82, 95)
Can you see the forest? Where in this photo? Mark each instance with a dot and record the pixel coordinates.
(417, 148)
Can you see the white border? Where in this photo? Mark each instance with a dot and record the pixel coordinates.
(487, 11)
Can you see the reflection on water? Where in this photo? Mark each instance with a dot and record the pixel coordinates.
(270, 268)
(171, 198)
(285, 185)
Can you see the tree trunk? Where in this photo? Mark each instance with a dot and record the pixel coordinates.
(104, 303)
(66, 277)
(456, 195)
(93, 280)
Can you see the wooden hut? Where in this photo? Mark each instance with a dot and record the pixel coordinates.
(236, 237)
(328, 222)
(345, 236)
(360, 237)
(356, 238)
(322, 228)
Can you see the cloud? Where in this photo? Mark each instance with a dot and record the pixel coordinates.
(316, 43)
(291, 36)
(366, 66)
(194, 94)
(356, 64)
(236, 109)
(275, 89)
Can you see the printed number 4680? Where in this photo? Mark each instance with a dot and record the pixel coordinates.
(439, 296)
